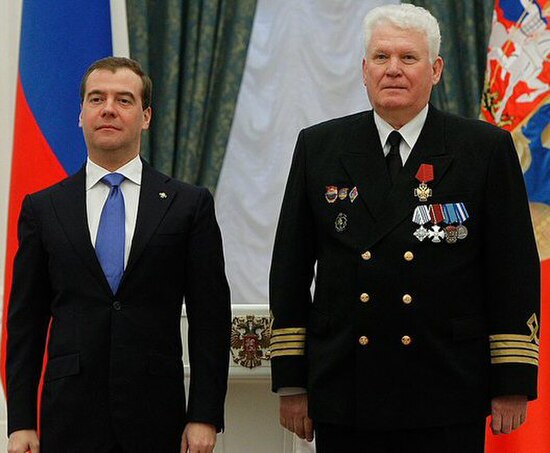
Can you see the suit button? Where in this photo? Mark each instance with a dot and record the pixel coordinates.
(364, 297)
(117, 305)
(406, 340)
(407, 299)
(409, 256)
(366, 255)
(363, 340)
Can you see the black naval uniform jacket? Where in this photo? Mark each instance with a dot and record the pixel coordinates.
(403, 333)
(115, 368)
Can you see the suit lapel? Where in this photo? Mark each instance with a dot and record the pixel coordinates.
(429, 149)
(364, 162)
(69, 203)
(154, 200)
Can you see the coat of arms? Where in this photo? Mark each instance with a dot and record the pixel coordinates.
(250, 340)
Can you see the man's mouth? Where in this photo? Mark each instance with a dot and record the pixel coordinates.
(108, 127)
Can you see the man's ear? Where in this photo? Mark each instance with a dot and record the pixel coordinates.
(437, 69)
(80, 117)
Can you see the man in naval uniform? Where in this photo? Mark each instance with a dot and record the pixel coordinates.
(416, 227)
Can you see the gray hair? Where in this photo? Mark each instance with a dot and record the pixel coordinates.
(407, 17)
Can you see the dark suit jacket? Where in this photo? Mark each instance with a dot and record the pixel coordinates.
(470, 308)
(115, 360)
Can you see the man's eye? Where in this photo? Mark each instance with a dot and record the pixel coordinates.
(124, 101)
(95, 100)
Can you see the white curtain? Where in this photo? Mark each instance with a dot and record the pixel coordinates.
(303, 67)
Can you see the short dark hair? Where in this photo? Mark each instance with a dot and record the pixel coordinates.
(113, 64)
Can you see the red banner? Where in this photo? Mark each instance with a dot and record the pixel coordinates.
(516, 97)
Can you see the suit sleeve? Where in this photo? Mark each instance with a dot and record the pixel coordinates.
(513, 276)
(290, 278)
(207, 302)
(28, 319)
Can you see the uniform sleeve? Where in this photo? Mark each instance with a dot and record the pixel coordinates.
(513, 277)
(291, 277)
(207, 302)
(28, 319)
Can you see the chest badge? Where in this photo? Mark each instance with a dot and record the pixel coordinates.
(353, 194)
(343, 193)
(341, 222)
(331, 194)
(425, 174)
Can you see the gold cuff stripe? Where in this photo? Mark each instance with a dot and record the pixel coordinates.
(514, 344)
(496, 360)
(288, 352)
(285, 338)
(515, 352)
(289, 331)
(511, 337)
(290, 344)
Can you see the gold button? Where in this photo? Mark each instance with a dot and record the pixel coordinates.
(363, 341)
(365, 297)
(406, 340)
(409, 256)
(407, 299)
(366, 255)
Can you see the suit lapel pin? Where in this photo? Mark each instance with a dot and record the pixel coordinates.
(343, 193)
(163, 195)
(424, 174)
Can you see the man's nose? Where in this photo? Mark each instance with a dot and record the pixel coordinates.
(109, 107)
(394, 67)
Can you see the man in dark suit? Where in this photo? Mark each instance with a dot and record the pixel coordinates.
(416, 226)
(105, 260)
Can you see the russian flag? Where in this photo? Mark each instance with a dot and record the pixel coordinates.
(60, 39)
(517, 98)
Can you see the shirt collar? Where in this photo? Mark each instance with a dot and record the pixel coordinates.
(410, 131)
(131, 171)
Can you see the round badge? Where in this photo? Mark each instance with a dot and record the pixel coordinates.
(462, 231)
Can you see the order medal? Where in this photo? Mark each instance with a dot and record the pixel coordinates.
(425, 174)
(421, 216)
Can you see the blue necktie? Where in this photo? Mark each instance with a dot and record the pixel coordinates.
(109, 246)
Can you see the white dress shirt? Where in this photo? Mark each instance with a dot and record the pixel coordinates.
(97, 193)
(410, 133)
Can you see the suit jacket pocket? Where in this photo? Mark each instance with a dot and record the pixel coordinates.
(468, 327)
(63, 366)
(160, 365)
(318, 323)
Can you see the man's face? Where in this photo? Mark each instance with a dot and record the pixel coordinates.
(112, 115)
(398, 74)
